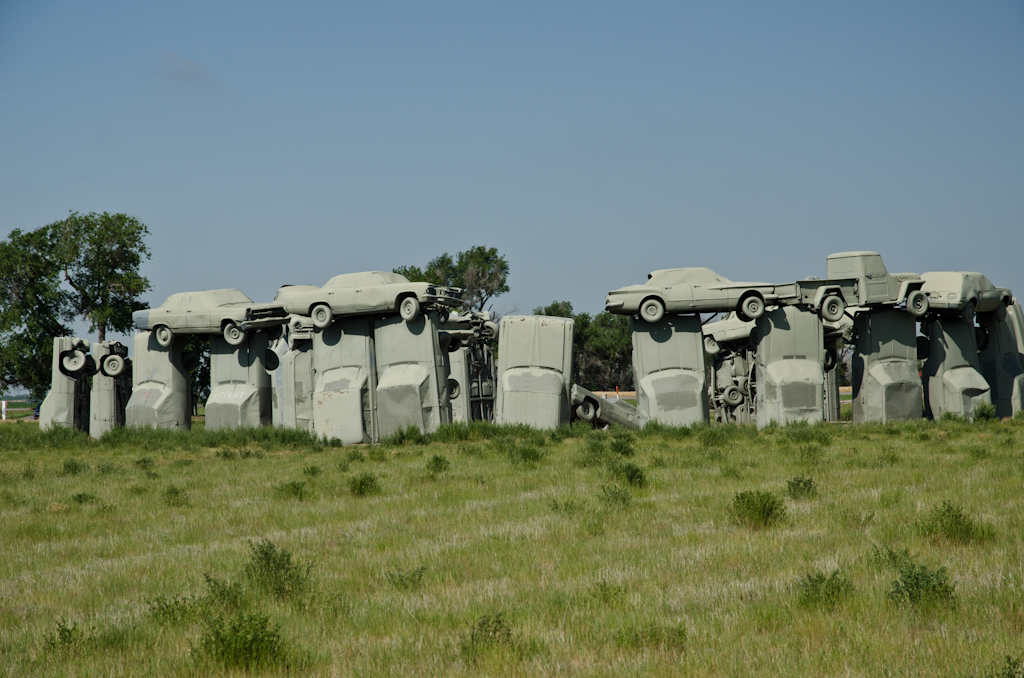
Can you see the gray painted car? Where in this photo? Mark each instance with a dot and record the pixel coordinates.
(534, 368)
(240, 394)
(111, 387)
(689, 290)
(227, 311)
(729, 342)
(873, 285)
(668, 370)
(966, 292)
(952, 373)
(68, 400)
(596, 409)
(363, 293)
(886, 383)
(790, 367)
(161, 394)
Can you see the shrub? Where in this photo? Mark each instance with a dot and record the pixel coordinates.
(65, 637)
(757, 509)
(227, 455)
(343, 465)
(522, 452)
(491, 633)
(274, 570)
(984, 412)
(438, 464)
(364, 484)
(921, 586)
(251, 454)
(406, 579)
(801, 487)
(1011, 667)
(886, 556)
(802, 432)
(568, 506)
(410, 435)
(175, 496)
(572, 430)
(950, 522)
(246, 641)
(377, 454)
(144, 463)
(615, 497)
(174, 610)
(108, 468)
(820, 590)
(606, 593)
(622, 444)
(72, 467)
(355, 455)
(85, 498)
(631, 473)
(669, 638)
(811, 454)
(224, 594)
(312, 471)
(293, 489)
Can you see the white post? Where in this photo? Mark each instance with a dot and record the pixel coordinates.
(3, 411)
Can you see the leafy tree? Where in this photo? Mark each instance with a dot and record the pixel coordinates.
(33, 308)
(199, 377)
(481, 271)
(100, 255)
(602, 347)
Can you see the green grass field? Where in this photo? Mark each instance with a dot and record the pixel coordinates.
(807, 551)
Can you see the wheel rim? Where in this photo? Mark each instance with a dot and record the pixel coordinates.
(233, 334)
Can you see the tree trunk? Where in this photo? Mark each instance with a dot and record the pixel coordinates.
(102, 334)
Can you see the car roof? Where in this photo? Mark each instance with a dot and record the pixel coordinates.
(676, 276)
(206, 298)
(366, 278)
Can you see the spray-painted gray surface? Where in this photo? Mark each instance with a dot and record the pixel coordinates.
(1015, 319)
(835, 332)
(227, 312)
(730, 344)
(67, 403)
(886, 384)
(689, 290)
(967, 292)
(111, 387)
(668, 370)
(471, 381)
(593, 408)
(240, 393)
(874, 284)
(161, 393)
(1001, 364)
(534, 368)
(362, 293)
(292, 381)
(790, 367)
(345, 379)
(412, 374)
(952, 373)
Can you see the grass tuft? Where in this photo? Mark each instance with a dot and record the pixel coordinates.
(818, 589)
(406, 580)
(274, 570)
(757, 509)
(654, 636)
(175, 496)
(950, 523)
(243, 641)
(921, 586)
(438, 464)
(801, 487)
(293, 489)
(363, 484)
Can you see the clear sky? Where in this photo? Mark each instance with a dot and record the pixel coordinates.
(273, 143)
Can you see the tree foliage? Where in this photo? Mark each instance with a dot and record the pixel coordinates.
(481, 271)
(100, 255)
(33, 308)
(602, 347)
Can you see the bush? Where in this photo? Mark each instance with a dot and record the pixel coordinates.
(615, 497)
(410, 435)
(364, 484)
(405, 580)
(492, 634)
(85, 498)
(72, 467)
(246, 641)
(984, 412)
(523, 452)
(175, 496)
(801, 487)
(820, 590)
(293, 489)
(630, 472)
(886, 556)
(65, 637)
(438, 464)
(1011, 667)
(274, 570)
(757, 509)
(622, 444)
(312, 471)
(921, 586)
(949, 522)
(355, 455)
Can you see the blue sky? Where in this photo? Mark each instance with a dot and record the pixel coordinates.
(273, 143)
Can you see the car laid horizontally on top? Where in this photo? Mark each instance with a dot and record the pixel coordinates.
(967, 292)
(226, 311)
(362, 293)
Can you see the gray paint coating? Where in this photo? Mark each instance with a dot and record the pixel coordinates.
(345, 378)
(412, 374)
(110, 394)
(596, 409)
(67, 403)
(161, 395)
(1001, 365)
(952, 373)
(886, 383)
(730, 342)
(790, 373)
(239, 384)
(668, 370)
(534, 368)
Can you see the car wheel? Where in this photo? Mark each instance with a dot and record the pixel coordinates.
(453, 389)
(271, 361)
(832, 308)
(164, 335)
(732, 395)
(981, 338)
(233, 334)
(831, 359)
(409, 309)
(587, 410)
(968, 312)
(752, 307)
(73, 362)
(924, 348)
(652, 310)
(322, 316)
(917, 303)
(112, 365)
(1000, 313)
(454, 344)
(711, 346)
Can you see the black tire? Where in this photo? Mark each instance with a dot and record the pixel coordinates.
(924, 347)
(831, 360)
(981, 338)
(968, 312)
